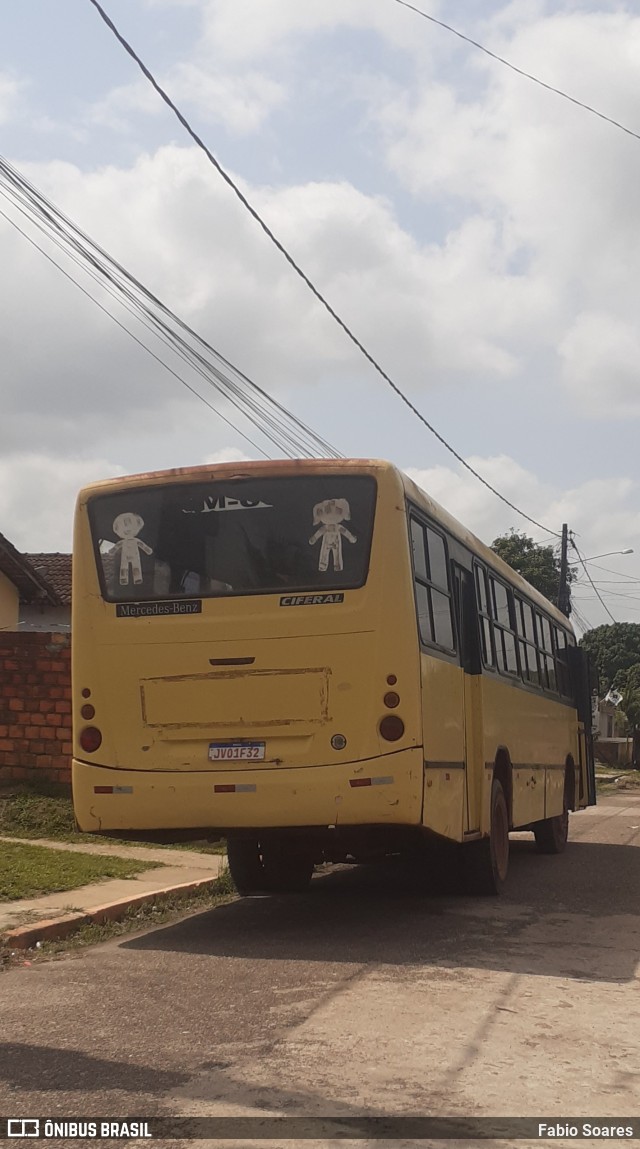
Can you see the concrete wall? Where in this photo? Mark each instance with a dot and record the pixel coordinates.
(45, 618)
(35, 707)
(9, 604)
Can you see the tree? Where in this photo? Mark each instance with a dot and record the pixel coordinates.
(615, 649)
(540, 565)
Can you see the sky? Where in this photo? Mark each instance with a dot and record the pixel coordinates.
(478, 233)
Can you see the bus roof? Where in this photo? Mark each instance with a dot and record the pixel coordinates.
(254, 468)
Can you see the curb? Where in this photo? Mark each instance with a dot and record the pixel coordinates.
(52, 929)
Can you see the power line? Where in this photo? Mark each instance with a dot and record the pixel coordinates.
(520, 71)
(128, 332)
(583, 622)
(630, 578)
(584, 565)
(271, 418)
(291, 261)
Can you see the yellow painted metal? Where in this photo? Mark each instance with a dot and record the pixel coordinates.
(294, 797)
(317, 671)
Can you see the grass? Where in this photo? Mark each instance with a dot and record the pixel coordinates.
(621, 780)
(27, 871)
(152, 914)
(47, 813)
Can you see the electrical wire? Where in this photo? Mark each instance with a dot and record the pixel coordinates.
(630, 578)
(128, 332)
(520, 71)
(583, 622)
(288, 433)
(584, 565)
(305, 278)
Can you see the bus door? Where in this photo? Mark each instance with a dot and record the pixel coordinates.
(469, 647)
(585, 682)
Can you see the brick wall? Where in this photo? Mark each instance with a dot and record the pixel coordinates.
(35, 707)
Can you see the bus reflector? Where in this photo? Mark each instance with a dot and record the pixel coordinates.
(113, 789)
(90, 739)
(392, 728)
(386, 780)
(241, 788)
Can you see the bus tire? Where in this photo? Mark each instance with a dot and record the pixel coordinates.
(552, 833)
(245, 866)
(270, 867)
(486, 862)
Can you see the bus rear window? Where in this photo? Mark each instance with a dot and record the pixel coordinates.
(241, 536)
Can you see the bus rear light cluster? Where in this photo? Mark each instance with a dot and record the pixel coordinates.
(391, 727)
(90, 739)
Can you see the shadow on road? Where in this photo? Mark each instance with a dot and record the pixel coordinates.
(40, 1068)
(572, 916)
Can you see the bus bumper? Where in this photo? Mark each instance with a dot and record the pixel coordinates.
(377, 791)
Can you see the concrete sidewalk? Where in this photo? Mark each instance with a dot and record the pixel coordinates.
(179, 872)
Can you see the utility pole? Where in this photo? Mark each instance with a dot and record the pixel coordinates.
(564, 597)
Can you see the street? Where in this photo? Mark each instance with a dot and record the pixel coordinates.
(361, 996)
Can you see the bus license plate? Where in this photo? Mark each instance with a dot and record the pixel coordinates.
(234, 751)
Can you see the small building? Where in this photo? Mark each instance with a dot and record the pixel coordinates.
(29, 596)
(612, 743)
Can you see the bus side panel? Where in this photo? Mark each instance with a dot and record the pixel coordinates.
(444, 746)
(538, 734)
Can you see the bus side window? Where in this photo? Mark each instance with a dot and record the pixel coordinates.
(503, 628)
(545, 647)
(484, 614)
(527, 639)
(433, 589)
(562, 662)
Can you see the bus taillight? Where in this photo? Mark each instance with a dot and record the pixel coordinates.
(90, 739)
(391, 728)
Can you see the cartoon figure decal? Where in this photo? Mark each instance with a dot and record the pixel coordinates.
(331, 514)
(127, 526)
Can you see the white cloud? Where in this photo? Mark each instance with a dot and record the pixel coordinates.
(11, 89)
(559, 185)
(227, 455)
(602, 513)
(601, 364)
(240, 103)
(37, 497)
(188, 239)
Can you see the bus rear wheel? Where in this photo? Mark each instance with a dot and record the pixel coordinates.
(551, 835)
(485, 863)
(269, 867)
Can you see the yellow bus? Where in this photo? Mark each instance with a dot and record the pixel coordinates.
(315, 661)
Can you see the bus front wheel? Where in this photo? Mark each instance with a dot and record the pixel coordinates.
(268, 867)
(486, 862)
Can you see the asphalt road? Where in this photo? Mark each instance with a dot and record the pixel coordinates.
(362, 996)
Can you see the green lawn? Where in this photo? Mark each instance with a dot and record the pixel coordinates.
(39, 814)
(27, 871)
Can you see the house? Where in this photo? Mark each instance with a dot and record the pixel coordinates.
(55, 569)
(35, 590)
(612, 743)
